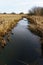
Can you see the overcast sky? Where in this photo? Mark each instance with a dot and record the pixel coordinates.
(19, 5)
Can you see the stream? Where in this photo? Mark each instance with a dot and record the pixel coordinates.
(24, 47)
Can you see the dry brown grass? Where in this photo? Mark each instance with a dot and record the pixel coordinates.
(36, 24)
(7, 22)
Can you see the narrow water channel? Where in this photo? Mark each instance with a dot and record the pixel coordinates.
(24, 47)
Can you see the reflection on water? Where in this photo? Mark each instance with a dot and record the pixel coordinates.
(24, 47)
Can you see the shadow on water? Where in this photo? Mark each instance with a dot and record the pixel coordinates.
(41, 42)
(24, 47)
(42, 50)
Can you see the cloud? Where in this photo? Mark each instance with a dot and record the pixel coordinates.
(19, 5)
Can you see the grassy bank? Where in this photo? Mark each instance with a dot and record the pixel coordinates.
(7, 22)
(36, 25)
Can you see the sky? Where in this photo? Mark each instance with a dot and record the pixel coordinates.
(18, 6)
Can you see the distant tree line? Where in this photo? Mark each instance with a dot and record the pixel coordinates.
(36, 11)
(8, 13)
(12, 13)
(21, 13)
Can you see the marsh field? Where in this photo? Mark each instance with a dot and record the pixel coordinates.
(8, 21)
(23, 36)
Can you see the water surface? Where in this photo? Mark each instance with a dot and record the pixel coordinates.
(24, 47)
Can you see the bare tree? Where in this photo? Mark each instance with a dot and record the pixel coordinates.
(36, 11)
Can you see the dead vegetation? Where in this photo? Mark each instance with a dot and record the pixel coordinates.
(36, 25)
(7, 22)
